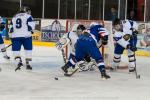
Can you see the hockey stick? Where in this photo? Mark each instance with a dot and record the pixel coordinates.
(6, 47)
(69, 75)
(136, 73)
(63, 55)
(18, 68)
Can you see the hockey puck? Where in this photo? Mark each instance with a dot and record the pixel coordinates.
(56, 78)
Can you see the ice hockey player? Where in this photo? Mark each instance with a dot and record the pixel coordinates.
(2, 46)
(70, 40)
(125, 36)
(87, 44)
(22, 26)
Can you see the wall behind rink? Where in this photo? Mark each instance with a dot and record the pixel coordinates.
(50, 30)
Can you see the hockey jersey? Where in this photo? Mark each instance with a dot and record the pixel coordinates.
(128, 25)
(98, 31)
(72, 36)
(123, 37)
(21, 25)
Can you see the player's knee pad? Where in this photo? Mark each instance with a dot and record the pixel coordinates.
(117, 58)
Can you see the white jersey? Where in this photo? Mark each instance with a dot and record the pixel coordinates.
(127, 25)
(119, 38)
(21, 25)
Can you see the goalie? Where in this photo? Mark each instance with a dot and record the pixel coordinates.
(125, 36)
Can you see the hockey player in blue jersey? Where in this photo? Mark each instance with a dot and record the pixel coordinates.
(22, 26)
(2, 46)
(100, 33)
(87, 44)
(125, 36)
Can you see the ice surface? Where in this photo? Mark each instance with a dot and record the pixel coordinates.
(40, 84)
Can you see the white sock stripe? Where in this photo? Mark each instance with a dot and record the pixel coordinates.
(72, 62)
(131, 58)
(99, 64)
(117, 56)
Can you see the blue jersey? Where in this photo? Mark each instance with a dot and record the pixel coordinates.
(98, 31)
(2, 26)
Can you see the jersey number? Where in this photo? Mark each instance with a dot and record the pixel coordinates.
(18, 23)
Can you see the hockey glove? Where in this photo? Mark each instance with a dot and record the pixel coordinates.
(32, 32)
(105, 40)
(62, 43)
(135, 32)
(132, 48)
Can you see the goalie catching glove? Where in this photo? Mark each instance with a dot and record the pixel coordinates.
(63, 42)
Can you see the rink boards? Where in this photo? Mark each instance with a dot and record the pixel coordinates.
(52, 44)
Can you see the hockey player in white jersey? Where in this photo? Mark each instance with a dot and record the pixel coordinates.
(22, 26)
(125, 38)
(2, 45)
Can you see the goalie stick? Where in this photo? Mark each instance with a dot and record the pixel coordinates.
(63, 55)
(69, 75)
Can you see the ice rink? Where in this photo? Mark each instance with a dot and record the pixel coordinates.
(40, 84)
